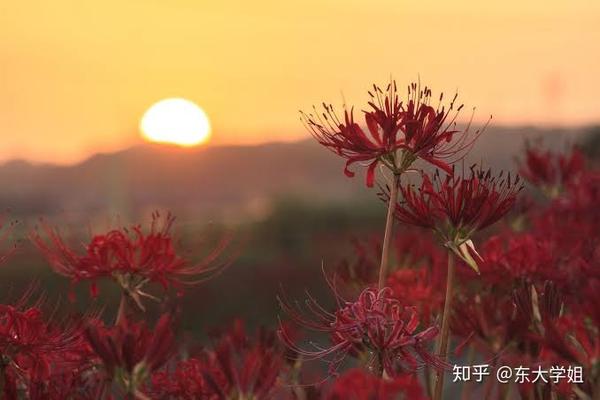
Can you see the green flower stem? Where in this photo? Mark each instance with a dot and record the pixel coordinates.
(387, 238)
(122, 311)
(445, 333)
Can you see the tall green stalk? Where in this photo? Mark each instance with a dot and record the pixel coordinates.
(445, 333)
(387, 238)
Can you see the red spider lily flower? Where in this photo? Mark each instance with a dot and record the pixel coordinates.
(572, 219)
(455, 207)
(357, 384)
(130, 257)
(560, 245)
(431, 133)
(185, 382)
(412, 249)
(237, 367)
(574, 341)
(510, 256)
(376, 324)
(30, 347)
(550, 171)
(489, 322)
(584, 191)
(505, 323)
(69, 383)
(570, 336)
(130, 350)
(419, 280)
(419, 287)
(397, 133)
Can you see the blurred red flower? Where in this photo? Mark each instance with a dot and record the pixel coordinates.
(184, 382)
(357, 384)
(31, 348)
(130, 350)
(130, 257)
(245, 367)
(237, 367)
(422, 288)
(551, 171)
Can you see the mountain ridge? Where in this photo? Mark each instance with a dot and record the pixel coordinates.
(215, 179)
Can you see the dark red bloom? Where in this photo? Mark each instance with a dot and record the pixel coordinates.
(412, 248)
(375, 323)
(237, 367)
(456, 206)
(31, 347)
(489, 321)
(415, 248)
(185, 382)
(419, 287)
(357, 384)
(69, 383)
(131, 257)
(132, 347)
(240, 366)
(397, 133)
(510, 257)
(551, 171)
(572, 339)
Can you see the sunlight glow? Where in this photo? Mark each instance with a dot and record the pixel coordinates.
(176, 121)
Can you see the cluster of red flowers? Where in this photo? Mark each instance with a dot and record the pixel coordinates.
(529, 297)
(81, 357)
(534, 302)
(398, 321)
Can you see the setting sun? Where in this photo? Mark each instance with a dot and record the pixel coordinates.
(177, 121)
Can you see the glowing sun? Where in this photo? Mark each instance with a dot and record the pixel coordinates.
(176, 121)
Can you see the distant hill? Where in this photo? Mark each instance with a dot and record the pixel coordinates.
(220, 182)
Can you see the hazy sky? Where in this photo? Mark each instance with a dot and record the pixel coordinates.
(76, 76)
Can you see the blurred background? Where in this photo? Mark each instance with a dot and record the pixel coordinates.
(78, 77)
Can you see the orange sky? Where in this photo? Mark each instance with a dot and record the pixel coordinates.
(76, 76)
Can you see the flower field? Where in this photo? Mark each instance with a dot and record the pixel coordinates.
(480, 284)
